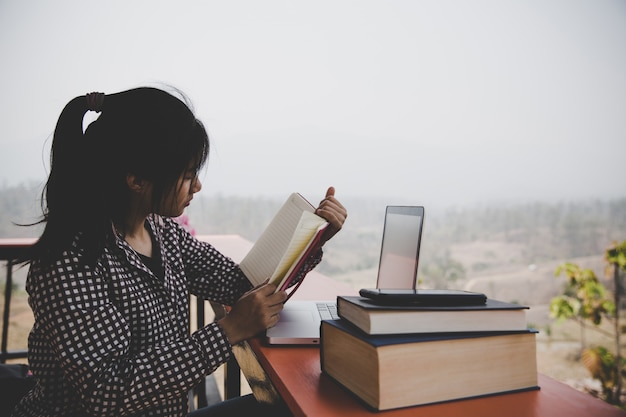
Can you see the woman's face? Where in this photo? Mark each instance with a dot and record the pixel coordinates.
(181, 195)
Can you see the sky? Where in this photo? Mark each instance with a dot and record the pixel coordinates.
(434, 102)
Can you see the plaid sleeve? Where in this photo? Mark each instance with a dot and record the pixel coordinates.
(210, 274)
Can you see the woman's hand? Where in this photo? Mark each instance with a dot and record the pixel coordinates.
(254, 312)
(334, 212)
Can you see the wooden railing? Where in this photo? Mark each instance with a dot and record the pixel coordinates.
(10, 249)
(204, 394)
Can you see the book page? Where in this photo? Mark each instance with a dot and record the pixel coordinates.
(306, 230)
(261, 262)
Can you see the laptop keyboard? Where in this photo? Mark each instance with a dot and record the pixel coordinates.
(328, 311)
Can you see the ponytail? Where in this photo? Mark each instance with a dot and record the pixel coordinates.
(69, 195)
(69, 150)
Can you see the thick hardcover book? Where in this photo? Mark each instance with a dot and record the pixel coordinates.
(292, 235)
(387, 372)
(374, 318)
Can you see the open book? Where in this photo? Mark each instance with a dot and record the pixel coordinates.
(292, 235)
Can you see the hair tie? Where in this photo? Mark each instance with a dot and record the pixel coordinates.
(95, 101)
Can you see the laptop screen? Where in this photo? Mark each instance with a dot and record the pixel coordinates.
(399, 254)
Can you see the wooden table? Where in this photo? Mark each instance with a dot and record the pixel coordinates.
(295, 375)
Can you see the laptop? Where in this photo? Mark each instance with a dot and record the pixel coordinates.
(299, 322)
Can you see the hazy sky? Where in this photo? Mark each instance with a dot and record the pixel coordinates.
(427, 102)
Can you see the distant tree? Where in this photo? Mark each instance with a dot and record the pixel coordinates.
(442, 269)
(20, 205)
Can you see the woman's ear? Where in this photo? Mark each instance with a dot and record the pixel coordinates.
(136, 184)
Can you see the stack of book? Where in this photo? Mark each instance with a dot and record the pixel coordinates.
(400, 356)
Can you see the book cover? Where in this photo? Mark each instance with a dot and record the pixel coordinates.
(374, 318)
(387, 372)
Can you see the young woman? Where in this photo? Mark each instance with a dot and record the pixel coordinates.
(110, 276)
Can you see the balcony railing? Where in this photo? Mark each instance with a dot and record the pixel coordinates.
(204, 394)
(10, 249)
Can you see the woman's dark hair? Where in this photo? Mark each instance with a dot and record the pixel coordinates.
(145, 131)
